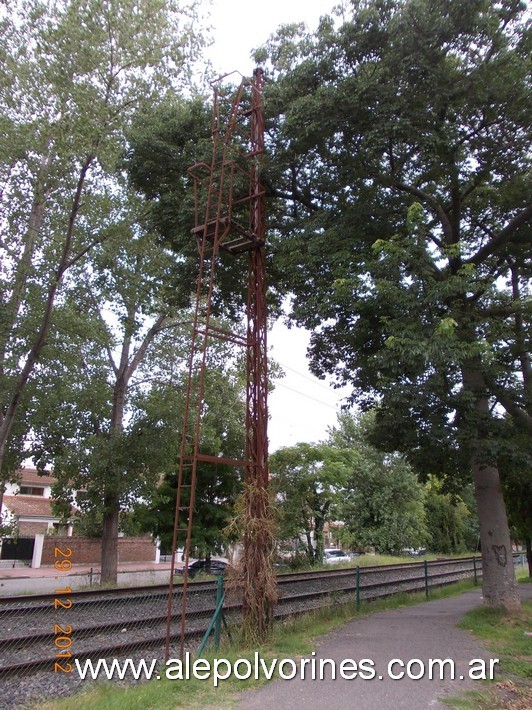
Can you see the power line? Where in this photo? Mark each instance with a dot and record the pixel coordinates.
(308, 396)
(314, 380)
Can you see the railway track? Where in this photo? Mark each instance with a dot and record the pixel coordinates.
(38, 633)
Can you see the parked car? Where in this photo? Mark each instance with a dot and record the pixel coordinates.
(333, 557)
(215, 566)
(414, 551)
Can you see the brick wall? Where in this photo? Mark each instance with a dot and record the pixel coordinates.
(27, 529)
(86, 550)
(136, 549)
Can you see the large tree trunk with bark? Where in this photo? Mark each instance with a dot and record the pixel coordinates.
(499, 585)
(310, 547)
(110, 539)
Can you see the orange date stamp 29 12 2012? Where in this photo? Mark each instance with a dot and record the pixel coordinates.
(62, 632)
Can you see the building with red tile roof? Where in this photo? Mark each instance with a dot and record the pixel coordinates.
(28, 503)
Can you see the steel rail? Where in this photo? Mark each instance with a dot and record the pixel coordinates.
(161, 590)
(287, 604)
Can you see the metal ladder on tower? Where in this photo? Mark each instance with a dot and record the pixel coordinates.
(226, 194)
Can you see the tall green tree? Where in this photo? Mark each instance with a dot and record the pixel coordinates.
(400, 137)
(382, 501)
(72, 76)
(448, 520)
(306, 481)
(105, 331)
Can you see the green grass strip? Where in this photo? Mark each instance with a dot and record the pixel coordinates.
(293, 638)
(509, 638)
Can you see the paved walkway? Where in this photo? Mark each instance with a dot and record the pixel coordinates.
(43, 580)
(425, 631)
(50, 571)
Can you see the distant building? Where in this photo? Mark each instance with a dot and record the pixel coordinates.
(29, 503)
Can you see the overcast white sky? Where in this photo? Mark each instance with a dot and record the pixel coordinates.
(242, 25)
(301, 407)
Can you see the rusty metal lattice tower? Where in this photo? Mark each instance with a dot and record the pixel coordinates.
(229, 217)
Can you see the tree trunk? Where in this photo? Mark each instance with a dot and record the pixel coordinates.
(319, 526)
(499, 586)
(110, 540)
(111, 509)
(12, 307)
(528, 543)
(318, 531)
(310, 547)
(123, 374)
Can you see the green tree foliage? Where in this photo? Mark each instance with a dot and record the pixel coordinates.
(99, 363)
(306, 480)
(217, 485)
(516, 475)
(377, 496)
(400, 138)
(448, 520)
(165, 141)
(382, 502)
(384, 506)
(72, 76)
(8, 526)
